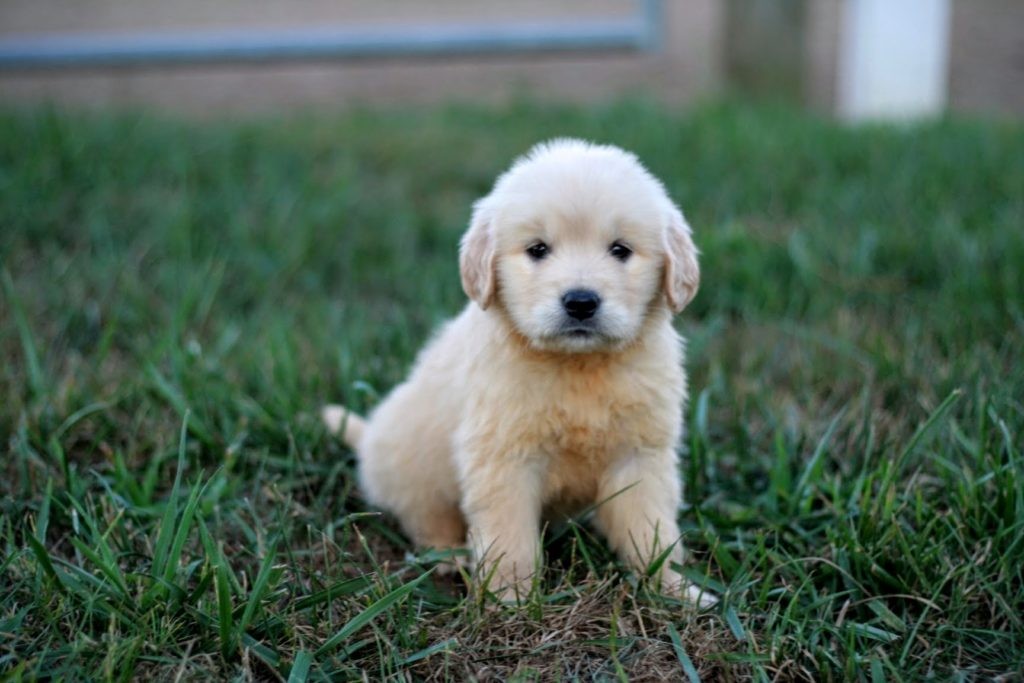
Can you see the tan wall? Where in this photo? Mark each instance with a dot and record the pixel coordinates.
(687, 67)
(821, 53)
(986, 69)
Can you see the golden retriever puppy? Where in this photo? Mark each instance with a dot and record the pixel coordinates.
(561, 384)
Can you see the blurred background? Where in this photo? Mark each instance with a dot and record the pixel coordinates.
(854, 58)
(216, 215)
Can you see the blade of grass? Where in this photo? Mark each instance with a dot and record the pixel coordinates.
(443, 646)
(169, 534)
(44, 561)
(684, 659)
(300, 667)
(100, 553)
(225, 616)
(890, 473)
(111, 571)
(733, 620)
(259, 587)
(36, 380)
(166, 533)
(222, 589)
(184, 526)
(370, 613)
(165, 389)
(781, 479)
(43, 520)
(78, 415)
(347, 587)
(812, 470)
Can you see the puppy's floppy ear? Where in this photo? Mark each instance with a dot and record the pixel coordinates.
(682, 273)
(476, 257)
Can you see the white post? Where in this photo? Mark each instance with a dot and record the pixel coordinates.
(893, 59)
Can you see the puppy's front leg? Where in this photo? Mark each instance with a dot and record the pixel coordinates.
(502, 503)
(640, 497)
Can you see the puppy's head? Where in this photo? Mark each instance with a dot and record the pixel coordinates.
(578, 244)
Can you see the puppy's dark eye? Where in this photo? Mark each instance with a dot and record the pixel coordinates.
(620, 251)
(537, 251)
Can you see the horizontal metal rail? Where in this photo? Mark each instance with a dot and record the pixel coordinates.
(638, 32)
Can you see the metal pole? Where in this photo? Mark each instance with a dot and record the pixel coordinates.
(640, 32)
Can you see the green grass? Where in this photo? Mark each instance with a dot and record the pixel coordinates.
(179, 298)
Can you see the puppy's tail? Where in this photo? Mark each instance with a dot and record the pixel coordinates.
(339, 420)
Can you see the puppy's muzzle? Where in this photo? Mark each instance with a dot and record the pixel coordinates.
(581, 304)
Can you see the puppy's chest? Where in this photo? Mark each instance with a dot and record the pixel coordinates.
(587, 422)
(586, 426)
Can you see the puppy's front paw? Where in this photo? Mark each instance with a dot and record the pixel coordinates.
(690, 593)
(509, 582)
(697, 596)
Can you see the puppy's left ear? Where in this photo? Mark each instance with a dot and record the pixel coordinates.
(476, 257)
(682, 273)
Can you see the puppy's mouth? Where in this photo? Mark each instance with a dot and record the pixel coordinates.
(575, 336)
(580, 337)
(577, 339)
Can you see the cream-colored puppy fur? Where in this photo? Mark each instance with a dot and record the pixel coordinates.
(516, 409)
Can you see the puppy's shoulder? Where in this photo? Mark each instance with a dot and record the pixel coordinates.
(459, 341)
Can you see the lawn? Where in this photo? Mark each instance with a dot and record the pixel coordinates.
(178, 299)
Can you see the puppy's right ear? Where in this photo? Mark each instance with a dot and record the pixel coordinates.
(476, 257)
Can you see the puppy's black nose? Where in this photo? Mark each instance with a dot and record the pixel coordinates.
(581, 303)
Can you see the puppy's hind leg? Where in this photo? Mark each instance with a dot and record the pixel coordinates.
(427, 517)
(405, 468)
(435, 524)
